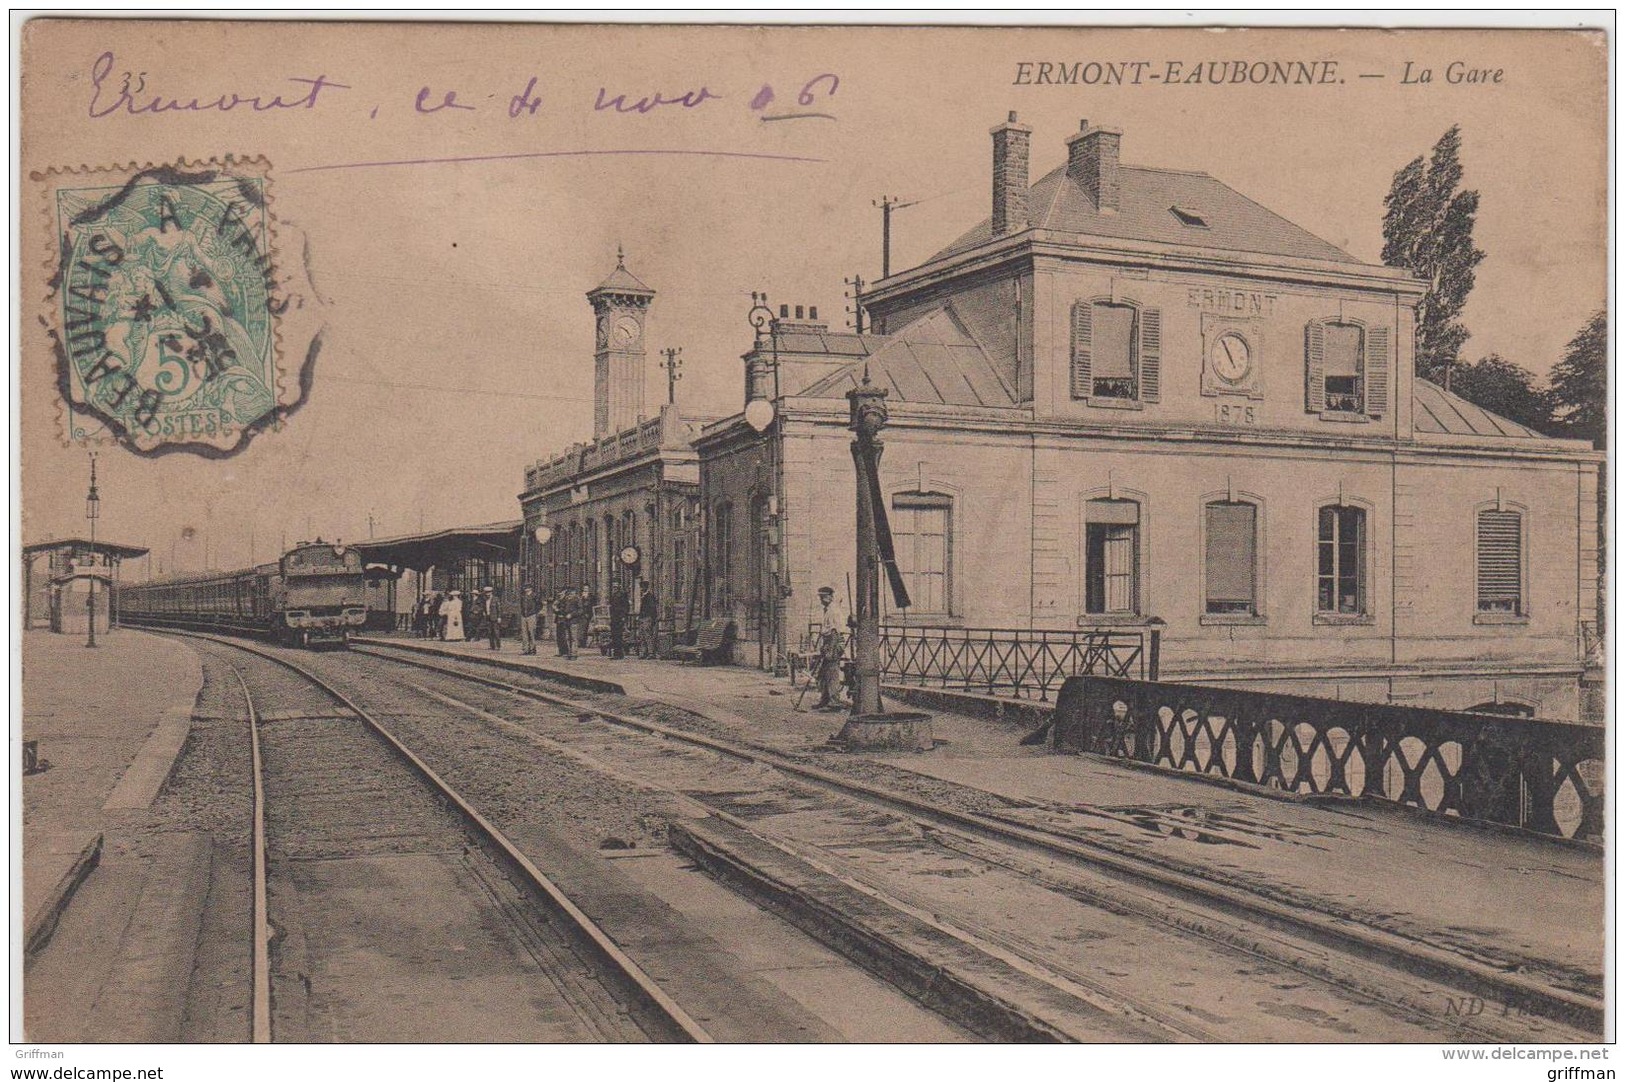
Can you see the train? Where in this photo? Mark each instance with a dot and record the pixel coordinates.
(315, 595)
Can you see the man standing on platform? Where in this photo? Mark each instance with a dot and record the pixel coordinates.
(528, 609)
(564, 618)
(493, 618)
(647, 612)
(831, 622)
(618, 612)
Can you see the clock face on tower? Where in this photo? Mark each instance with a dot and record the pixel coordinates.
(625, 333)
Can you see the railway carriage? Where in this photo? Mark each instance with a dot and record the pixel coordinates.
(315, 594)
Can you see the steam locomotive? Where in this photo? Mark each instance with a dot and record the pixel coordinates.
(314, 595)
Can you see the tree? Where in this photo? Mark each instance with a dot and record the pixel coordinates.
(1507, 388)
(1579, 400)
(1427, 229)
(1579, 394)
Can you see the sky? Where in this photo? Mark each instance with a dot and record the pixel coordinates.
(448, 252)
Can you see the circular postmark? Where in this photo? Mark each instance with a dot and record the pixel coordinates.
(168, 304)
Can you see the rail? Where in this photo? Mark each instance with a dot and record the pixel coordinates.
(604, 950)
(1006, 661)
(1544, 776)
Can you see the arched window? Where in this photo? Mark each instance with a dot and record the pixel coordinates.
(1347, 368)
(1341, 579)
(1111, 557)
(922, 534)
(590, 554)
(1230, 558)
(1116, 351)
(722, 555)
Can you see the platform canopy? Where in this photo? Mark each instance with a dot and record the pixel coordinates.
(111, 549)
(444, 548)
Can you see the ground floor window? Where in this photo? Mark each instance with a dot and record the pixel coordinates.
(1500, 562)
(922, 534)
(1341, 577)
(722, 564)
(1231, 558)
(1112, 557)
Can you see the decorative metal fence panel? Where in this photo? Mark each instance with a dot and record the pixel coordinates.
(1005, 661)
(1541, 775)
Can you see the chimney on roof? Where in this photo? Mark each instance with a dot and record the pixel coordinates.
(1010, 145)
(1091, 160)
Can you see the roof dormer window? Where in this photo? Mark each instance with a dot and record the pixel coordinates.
(1188, 217)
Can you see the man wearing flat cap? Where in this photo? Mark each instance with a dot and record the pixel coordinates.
(493, 619)
(831, 621)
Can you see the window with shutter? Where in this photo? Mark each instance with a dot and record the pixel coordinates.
(1376, 371)
(1150, 354)
(1082, 337)
(1500, 562)
(1314, 348)
(1113, 346)
(1231, 558)
(1344, 367)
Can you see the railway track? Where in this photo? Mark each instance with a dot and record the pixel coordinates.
(420, 918)
(1395, 989)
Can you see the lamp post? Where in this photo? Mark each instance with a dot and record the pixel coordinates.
(93, 511)
(761, 414)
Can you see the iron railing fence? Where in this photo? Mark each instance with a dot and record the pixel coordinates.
(1544, 776)
(1008, 661)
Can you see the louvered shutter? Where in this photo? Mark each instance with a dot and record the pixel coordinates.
(1082, 341)
(1500, 562)
(1376, 371)
(1231, 557)
(1314, 398)
(1150, 354)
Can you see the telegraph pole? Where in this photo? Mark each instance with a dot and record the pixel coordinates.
(672, 364)
(887, 204)
(856, 283)
(93, 511)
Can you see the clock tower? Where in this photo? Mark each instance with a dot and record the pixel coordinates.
(620, 302)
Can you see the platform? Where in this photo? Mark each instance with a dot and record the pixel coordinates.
(109, 724)
(1498, 897)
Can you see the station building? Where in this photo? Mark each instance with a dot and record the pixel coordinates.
(1133, 397)
(622, 509)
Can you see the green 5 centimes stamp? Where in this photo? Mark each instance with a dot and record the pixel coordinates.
(167, 302)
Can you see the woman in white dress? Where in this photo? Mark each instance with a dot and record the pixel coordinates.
(452, 610)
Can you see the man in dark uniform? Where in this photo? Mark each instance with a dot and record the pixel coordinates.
(493, 618)
(564, 618)
(647, 612)
(618, 612)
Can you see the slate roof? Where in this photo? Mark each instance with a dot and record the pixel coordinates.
(828, 343)
(621, 280)
(1442, 413)
(932, 360)
(1146, 201)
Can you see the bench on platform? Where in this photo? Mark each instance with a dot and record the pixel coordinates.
(712, 642)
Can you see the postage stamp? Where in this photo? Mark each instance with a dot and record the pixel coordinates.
(165, 304)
